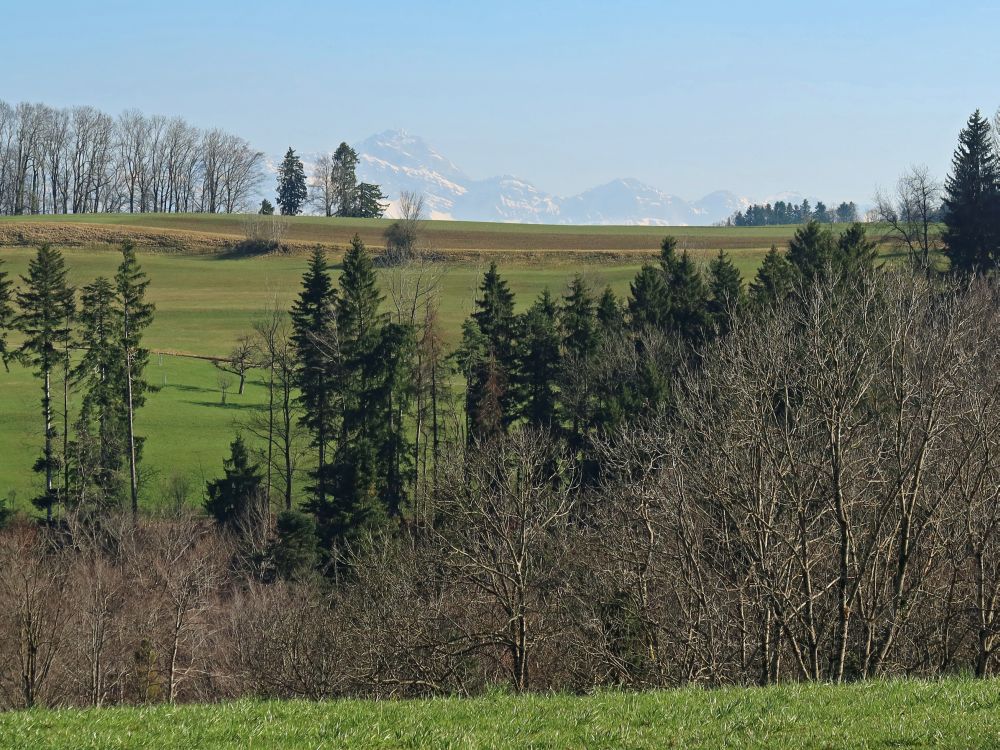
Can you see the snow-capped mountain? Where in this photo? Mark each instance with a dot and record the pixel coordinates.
(399, 161)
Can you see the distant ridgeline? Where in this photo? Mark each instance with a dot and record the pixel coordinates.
(793, 213)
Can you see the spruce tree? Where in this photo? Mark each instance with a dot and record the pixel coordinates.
(101, 428)
(474, 360)
(578, 321)
(689, 315)
(812, 251)
(314, 336)
(345, 180)
(6, 315)
(539, 362)
(231, 498)
(775, 279)
(725, 284)
(609, 312)
(972, 199)
(291, 185)
(45, 303)
(360, 471)
(370, 202)
(649, 304)
(855, 252)
(493, 388)
(136, 315)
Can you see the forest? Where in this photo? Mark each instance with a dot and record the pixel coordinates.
(703, 482)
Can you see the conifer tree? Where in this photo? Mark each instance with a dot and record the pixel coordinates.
(314, 335)
(972, 199)
(609, 312)
(577, 320)
(6, 315)
(492, 394)
(136, 315)
(292, 190)
(370, 202)
(775, 279)
(539, 362)
(360, 471)
(812, 251)
(725, 285)
(230, 499)
(344, 180)
(101, 427)
(689, 315)
(45, 303)
(473, 360)
(855, 252)
(649, 304)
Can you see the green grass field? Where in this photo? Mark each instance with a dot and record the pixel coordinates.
(205, 300)
(958, 714)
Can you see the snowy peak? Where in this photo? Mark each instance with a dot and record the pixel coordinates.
(400, 161)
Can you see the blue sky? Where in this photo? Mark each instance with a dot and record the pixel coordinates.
(758, 97)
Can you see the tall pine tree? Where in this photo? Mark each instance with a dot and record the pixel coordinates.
(725, 285)
(101, 427)
(539, 362)
(291, 184)
(314, 335)
(6, 315)
(775, 279)
(345, 180)
(972, 199)
(359, 472)
(136, 315)
(45, 305)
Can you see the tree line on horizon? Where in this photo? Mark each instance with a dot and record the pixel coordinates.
(81, 160)
(704, 482)
(786, 212)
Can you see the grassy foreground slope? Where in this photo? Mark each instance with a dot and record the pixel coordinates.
(948, 714)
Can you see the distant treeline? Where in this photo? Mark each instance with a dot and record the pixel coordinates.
(81, 160)
(781, 212)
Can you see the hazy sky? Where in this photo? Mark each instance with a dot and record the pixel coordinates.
(828, 99)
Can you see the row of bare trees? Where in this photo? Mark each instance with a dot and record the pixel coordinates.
(82, 160)
(819, 501)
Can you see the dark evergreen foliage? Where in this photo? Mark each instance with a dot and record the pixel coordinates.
(292, 191)
(46, 304)
(972, 199)
(314, 335)
(232, 498)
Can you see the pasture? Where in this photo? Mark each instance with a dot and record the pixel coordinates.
(952, 713)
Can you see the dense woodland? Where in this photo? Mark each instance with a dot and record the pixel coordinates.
(702, 483)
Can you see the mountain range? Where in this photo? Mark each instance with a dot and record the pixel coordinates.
(399, 161)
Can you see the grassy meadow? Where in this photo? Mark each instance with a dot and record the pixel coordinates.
(206, 298)
(954, 713)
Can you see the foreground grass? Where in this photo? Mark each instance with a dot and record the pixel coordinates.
(947, 714)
